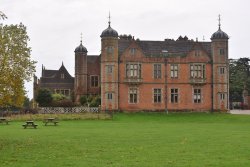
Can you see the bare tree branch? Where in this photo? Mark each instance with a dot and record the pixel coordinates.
(2, 16)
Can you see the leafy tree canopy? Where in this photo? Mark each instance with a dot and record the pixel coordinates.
(44, 98)
(239, 78)
(16, 66)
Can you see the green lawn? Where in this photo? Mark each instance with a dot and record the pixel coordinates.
(131, 140)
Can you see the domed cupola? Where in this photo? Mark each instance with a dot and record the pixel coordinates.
(219, 34)
(81, 48)
(109, 32)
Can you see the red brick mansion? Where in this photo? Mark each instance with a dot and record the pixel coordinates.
(144, 75)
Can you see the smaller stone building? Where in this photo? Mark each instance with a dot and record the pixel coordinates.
(61, 82)
(57, 81)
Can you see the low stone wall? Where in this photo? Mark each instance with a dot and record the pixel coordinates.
(65, 110)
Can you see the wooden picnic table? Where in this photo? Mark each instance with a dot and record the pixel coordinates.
(50, 121)
(4, 120)
(30, 124)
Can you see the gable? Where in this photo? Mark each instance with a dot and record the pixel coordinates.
(198, 53)
(133, 52)
(57, 76)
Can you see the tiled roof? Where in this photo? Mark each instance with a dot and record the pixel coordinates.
(54, 76)
(93, 59)
(123, 45)
(93, 65)
(155, 48)
(49, 73)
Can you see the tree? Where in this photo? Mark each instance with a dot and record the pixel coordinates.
(16, 66)
(44, 98)
(239, 78)
(26, 103)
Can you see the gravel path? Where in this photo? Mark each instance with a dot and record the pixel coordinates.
(240, 112)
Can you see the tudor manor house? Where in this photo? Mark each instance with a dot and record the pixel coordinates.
(143, 75)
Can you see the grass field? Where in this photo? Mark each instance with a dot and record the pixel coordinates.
(131, 140)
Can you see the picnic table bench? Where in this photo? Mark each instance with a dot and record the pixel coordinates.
(30, 124)
(4, 120)
(50, 121)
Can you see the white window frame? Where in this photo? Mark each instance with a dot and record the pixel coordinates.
(174, 95)
(157, 71)
(174, 70)
(133, 70)
(157, 95)
(133, 95)
(197, 96)
(93, 76)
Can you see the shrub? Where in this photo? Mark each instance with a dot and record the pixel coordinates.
(63, 103)
(44, 98)
(93, 101)
(83, 100)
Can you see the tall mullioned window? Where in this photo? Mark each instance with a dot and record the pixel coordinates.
(133, 70)
(157, 95)
(109, 96)
(174, 95)
(157, 71)
(197, 71)
(110, 49)
(197, 95)
(174, 70)
(221, 51)
(133, 95)
(222, 96)
(94, 81)
(222, 70)
(109, 69)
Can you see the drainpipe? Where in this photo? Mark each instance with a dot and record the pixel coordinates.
(212, 87)
(165, 84)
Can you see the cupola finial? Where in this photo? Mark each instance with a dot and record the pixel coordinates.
(109, 19)
(81, 38)
(219, 21)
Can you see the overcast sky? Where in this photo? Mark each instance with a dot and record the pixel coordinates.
(54, 26)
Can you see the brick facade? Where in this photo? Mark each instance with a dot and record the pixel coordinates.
(136, 75)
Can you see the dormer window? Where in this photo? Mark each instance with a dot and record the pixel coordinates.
(62, 76)
(164, 52)
(197, 52)
(132, 51)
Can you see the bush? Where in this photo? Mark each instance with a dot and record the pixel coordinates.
(83, 100)
(58, 97)
(93, 101)
(44, 98)
(63, 103)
